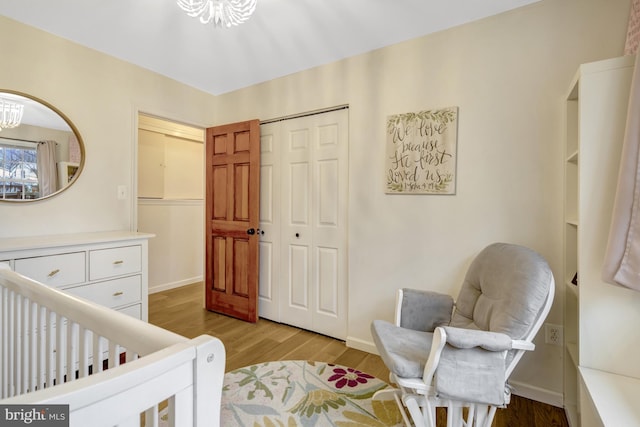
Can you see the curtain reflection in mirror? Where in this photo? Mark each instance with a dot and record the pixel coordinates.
(47, 173)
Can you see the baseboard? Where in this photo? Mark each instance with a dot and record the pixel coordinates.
(538, 394)
(173, 285)
(361, 345)
(520, 389)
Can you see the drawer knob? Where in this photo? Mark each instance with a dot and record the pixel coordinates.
(118, 262)
(53, 272)
(117, 294)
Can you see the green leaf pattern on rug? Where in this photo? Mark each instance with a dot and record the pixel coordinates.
(357, 419)
(317, 401)
(252, 378)
(387, 412)
(304, 394)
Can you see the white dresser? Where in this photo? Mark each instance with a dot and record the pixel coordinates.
(109, 268)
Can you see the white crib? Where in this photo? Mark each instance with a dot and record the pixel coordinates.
(47, 356)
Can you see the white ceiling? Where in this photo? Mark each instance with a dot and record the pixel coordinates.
(281, 38)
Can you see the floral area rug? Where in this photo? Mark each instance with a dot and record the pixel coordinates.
(304, 394)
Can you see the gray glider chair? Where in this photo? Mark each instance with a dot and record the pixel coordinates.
(460, 355)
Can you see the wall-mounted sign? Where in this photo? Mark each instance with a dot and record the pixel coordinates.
(422, 152)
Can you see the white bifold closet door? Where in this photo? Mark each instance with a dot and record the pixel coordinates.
(303, 222)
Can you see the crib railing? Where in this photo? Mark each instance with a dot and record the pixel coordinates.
(108, 367)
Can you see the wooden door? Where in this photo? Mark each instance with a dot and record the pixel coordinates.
(232, 216)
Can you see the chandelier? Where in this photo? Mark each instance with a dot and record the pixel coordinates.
(223, 13)
(10, 114)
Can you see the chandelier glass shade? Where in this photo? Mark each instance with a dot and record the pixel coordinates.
(10, 114)
(222, 13)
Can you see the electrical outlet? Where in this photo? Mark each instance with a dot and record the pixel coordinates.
(553, 334)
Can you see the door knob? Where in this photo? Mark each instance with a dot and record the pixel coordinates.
(251, 231)
(298, 235)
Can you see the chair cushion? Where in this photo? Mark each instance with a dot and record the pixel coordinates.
(404, 351)
(424, 310)
(504, 291)
(470, 338)
(472, 375)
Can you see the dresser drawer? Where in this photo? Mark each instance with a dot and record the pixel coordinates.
(54, 270)
(133, 311)
(112, 293)
(104, 263)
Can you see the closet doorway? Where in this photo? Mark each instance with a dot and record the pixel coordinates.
(303, 221)
(170, 205)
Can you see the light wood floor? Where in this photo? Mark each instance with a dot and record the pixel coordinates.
(181, 310)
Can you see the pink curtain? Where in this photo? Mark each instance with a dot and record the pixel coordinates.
(47, 173)
(622, 258)
(633, 29)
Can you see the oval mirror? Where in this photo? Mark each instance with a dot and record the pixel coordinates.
(41, 151)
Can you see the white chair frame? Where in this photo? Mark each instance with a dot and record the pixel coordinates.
(417, 395)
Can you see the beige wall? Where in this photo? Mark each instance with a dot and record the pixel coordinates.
(508, 75)
(176, 254)
(101, 96)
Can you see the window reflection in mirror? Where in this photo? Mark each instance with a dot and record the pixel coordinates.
(41, 156)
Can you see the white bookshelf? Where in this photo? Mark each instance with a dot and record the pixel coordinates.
(598, 317)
